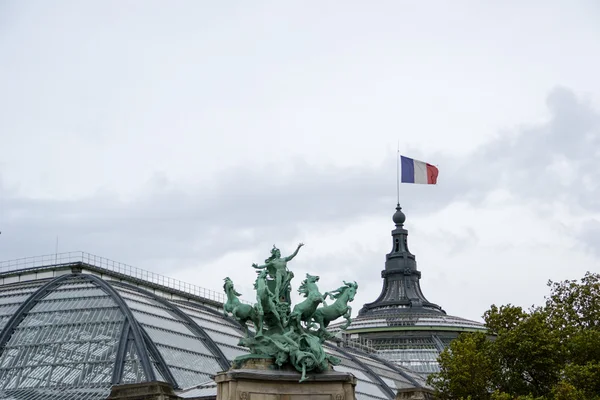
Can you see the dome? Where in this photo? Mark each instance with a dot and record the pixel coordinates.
(412, 340)
(402, 326)
(74, 329)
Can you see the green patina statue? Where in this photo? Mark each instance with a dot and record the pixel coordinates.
(241, 312)
(288, 336)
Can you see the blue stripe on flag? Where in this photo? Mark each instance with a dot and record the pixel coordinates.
(408, 169)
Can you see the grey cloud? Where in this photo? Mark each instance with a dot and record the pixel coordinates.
(522, 163)
(589, 236)
(243, 207)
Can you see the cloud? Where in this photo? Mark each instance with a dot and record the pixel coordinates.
(554, 161)
(547, 162)
(168, 226)
(589, 236)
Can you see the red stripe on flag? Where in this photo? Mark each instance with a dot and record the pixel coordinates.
(432, 174)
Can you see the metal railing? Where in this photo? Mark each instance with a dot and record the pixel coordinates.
(45, 261)
(359, 343)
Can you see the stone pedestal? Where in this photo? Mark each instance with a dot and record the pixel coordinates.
(256, 381)
(143, 391)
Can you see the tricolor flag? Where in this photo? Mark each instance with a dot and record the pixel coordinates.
(414, 171)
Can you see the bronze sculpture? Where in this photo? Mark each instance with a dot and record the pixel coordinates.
(288, 337)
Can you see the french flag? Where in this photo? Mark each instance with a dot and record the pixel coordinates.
(415, 171)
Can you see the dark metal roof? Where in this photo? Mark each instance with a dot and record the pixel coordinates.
(401, 292)
(401, 326)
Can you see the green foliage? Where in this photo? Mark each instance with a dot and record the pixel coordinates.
(545, 353)
(467, 362)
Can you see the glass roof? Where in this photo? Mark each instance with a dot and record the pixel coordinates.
(76, 335)
(68, 338)
(415, 345)
(417, 320)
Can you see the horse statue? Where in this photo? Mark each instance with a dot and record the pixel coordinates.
(241, 312)
(265, 303)
(340, 308)
(305, 310)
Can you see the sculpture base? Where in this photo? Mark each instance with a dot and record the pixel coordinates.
(256, 380)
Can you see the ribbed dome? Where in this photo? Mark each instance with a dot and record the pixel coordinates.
(401, 325)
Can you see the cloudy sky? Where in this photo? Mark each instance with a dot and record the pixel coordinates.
(188, 138)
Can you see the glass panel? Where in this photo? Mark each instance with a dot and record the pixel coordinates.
(370, 389)
(157, 373)
(136, 305)
(190, 343)
(3, 321)
(189, 360)
(232, 352)
(19, 289)
(75, 284)
(9, 309)
(193, 312)
(222, 338)
(372, 362)
(332, 351)
(186, 378)
(64, 341)
(357, 373)
(73, 304)
(126, 294)
(132, 369)
(34, 376)
(132, 372)
(160, 322)
(13, 299)
(88, 393)
(98, 373)
(73, 317)
(389, 382)
(350, 364)
(75, 293)
(219, 327)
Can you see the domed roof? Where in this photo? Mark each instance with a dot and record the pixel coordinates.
(76, 335)
(401, 325)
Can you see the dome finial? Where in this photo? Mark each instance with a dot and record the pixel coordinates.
(399, 216)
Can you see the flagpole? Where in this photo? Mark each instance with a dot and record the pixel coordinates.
(398, 173)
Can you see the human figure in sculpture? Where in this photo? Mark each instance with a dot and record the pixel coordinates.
(276, 266)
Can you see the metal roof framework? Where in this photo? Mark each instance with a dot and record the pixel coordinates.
(197, 329)
(131, 328)
(43, 293)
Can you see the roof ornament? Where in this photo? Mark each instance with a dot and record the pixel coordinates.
(289, 337)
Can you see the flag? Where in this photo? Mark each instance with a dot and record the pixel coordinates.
(414, 171)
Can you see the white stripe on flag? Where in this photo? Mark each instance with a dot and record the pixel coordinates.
(420, 172)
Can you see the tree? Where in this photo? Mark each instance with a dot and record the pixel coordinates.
(550, 352)
(469, 365)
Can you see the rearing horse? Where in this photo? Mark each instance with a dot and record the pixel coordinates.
(305, 310)
(241, 312)
(345, 294)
